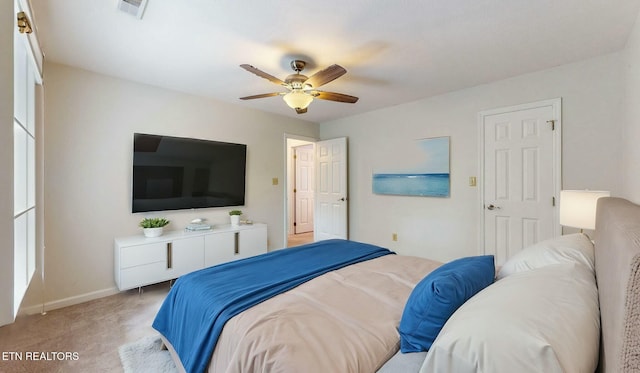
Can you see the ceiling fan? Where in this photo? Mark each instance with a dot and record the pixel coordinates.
(302, 89)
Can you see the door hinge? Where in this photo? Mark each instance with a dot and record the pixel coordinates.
(295, 224)
(553, 124)
(295, 156)
(295, 190)
(24, 26)
(553, 201)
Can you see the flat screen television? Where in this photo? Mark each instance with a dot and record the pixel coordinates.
(173, 173)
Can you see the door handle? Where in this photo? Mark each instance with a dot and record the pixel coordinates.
(492, 207)
(342, 199)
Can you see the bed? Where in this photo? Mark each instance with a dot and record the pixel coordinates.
(562, 305)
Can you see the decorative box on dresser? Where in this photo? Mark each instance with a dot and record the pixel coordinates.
(141, 261)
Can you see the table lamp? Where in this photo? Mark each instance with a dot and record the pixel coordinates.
(578, 208)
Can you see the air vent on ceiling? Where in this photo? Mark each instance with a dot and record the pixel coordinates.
(133, 7)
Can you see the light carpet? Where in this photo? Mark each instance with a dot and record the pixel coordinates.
(146, 355)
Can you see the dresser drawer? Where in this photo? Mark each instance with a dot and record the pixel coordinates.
(145, 275)
(144, 254)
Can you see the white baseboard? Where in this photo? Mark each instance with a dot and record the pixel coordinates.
(60, 303)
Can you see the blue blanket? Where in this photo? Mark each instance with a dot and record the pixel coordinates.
(200, 303)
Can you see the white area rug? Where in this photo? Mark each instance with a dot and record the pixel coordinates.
(146, 355)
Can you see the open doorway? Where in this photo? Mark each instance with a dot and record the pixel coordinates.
(300, 190)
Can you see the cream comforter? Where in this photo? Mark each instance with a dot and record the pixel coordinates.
(343, 321)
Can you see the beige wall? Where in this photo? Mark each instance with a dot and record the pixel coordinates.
(631, 170)
(90, 121)
(6, 161)
(447, 228)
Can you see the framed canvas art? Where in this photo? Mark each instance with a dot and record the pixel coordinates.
(428, 175)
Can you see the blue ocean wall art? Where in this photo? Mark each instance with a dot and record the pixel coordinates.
(427, 176)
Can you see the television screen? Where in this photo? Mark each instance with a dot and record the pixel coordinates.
(172, 173)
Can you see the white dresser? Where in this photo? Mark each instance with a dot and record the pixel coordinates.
(141, 261)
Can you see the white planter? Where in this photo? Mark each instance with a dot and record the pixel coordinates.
(235, 220)
(152, 232)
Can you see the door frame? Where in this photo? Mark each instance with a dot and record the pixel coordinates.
(556, 104)
(287, 181)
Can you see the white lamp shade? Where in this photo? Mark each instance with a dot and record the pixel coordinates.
(578, 208)
(297, 99)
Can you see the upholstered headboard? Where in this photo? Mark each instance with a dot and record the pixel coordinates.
(617, 253)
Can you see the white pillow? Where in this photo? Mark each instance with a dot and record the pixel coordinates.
(571, 248)
(542, 320)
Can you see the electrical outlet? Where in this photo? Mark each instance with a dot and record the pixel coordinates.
(394, 237)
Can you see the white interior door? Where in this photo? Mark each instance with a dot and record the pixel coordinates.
(303, 189)
(330, 214)
(521, 176)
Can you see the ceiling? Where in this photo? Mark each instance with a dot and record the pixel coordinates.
(394, 51)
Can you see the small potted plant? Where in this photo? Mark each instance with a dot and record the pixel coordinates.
(235, 217)
(153, 227)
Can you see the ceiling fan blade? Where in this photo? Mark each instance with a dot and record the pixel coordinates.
(301, 111)
(262, 74)
(261, 96)
(332, 96)
(325, 76)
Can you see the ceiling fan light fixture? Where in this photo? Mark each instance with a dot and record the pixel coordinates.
(302, 89)
(297, 99)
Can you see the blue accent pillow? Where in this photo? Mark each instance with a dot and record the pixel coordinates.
(437, 296)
